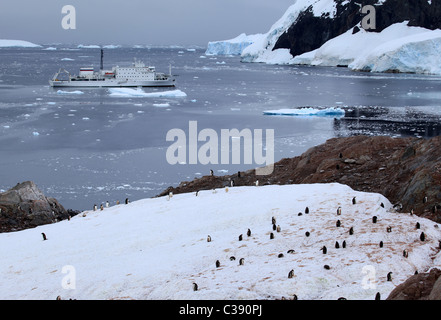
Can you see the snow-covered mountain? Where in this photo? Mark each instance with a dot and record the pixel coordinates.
(157, 248)
(329, 32)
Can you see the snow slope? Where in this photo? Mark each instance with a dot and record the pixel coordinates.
(6, 43)
(157, 248)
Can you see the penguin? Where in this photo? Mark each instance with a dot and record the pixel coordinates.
(127, 200)
(351, 231)
(389, 276)
(95, 207)
(58, 297)
(411, 212)
(274, 227)
(240, 237)
(271, 235)
(278, 228)
(238, 174)
(382, 205)
(422, 236)
(241, 261)
(195, 286)
(340, 155)
(306, 210)
(291, 274)
(249, 233)
(307, 233)
(338, 223)
(339, 211)
(300, 214)
(257, 183)
(197, 192)
(232, 258)
(327, 267)
(44, 236)
(117, 202)
(337, 245)
(209, 238)
(273, 220)
(405, 253)
(417, 226)
(280, 255)
(381, 244)
(101, 207)
(378, 296)
(211, 173)
(232, 183)
(344, 244)
(389, 229)
(324, 249)
(425, 200)
(374, 219)
(217, 264)
(354, 200)
(290, 251)
(107, 204)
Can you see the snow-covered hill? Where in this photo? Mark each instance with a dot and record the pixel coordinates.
(157, 248)
(7, 43)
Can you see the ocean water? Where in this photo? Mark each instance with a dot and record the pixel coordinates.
(89, 148)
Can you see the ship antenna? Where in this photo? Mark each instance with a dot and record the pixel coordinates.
(101, 64)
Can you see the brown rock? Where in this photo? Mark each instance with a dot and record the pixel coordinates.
(422, 286)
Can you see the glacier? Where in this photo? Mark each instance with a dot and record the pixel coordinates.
(397, 48)
(231, 47)
(7, 43)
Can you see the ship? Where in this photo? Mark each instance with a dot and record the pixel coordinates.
(137, 75)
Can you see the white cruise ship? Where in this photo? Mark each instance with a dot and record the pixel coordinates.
(137, 75)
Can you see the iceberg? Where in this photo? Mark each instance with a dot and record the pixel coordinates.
(231, 47)
(69, 92)
(5, 43)
(136, 93)
(309, 111)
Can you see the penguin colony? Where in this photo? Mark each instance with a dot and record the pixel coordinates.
(347, 237)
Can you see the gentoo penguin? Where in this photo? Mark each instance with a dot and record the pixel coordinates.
(389, 276)
(257, 183)
(422, 236)
(278, 228)
(273, 220)
(209, 238)
(195, 286)
(240, 237)
(107, 204)
(290, 251)
(425, 200)
(271, 235)
(291, 274)
(327, 267)
(339, 211)
(306, 210)
(405, 253)
(217, 264)
(354, 200)
(44, 236)
(381, 244)
(249, 233)
(241, 261)
(95, 207)
(338, 223)
(389, 229)
(417, 226)
(344, 244)
(274, 227)
(232, 258)
(337, 245)
(101, 207)
(307, 233)
(351, 231)
(127, 200)
(374, 219)
(211, 172)
(324, 249)
(280, 255)
(378, 296)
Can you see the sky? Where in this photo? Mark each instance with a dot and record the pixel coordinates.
(145, 22)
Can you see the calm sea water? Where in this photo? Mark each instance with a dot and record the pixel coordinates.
(90, 148)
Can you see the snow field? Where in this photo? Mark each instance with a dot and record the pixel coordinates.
(156, 248)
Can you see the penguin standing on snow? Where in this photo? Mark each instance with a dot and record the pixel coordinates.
(324, 249)
(195, 286)
(291, 274)
(44, 236)
(389, 276)
(339, 211)
(354, 200)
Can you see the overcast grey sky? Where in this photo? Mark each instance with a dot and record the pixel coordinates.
(153, 22)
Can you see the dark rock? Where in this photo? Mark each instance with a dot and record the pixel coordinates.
(421, 286)
(309, 32)
(25, 206)
(387, 167)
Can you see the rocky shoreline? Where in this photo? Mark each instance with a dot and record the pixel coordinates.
(407, 171)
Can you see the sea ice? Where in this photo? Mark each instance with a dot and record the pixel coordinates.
(334, 112)
(134, 93)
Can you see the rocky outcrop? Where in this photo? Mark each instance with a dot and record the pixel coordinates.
(25, 206)
(309, 32)
(422, 286)
(405, 170)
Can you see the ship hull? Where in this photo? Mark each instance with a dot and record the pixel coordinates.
(112, 83)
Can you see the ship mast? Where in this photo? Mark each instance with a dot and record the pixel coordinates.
(101, 63)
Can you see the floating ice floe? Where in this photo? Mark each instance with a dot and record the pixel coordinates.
(134, 93)
(334, 112)
(69, 92)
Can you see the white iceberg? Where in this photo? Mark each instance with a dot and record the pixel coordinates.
(69, 92)
(89, 46)
(231, 47)
(6, 43)
(135, 93)
(309, 111)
